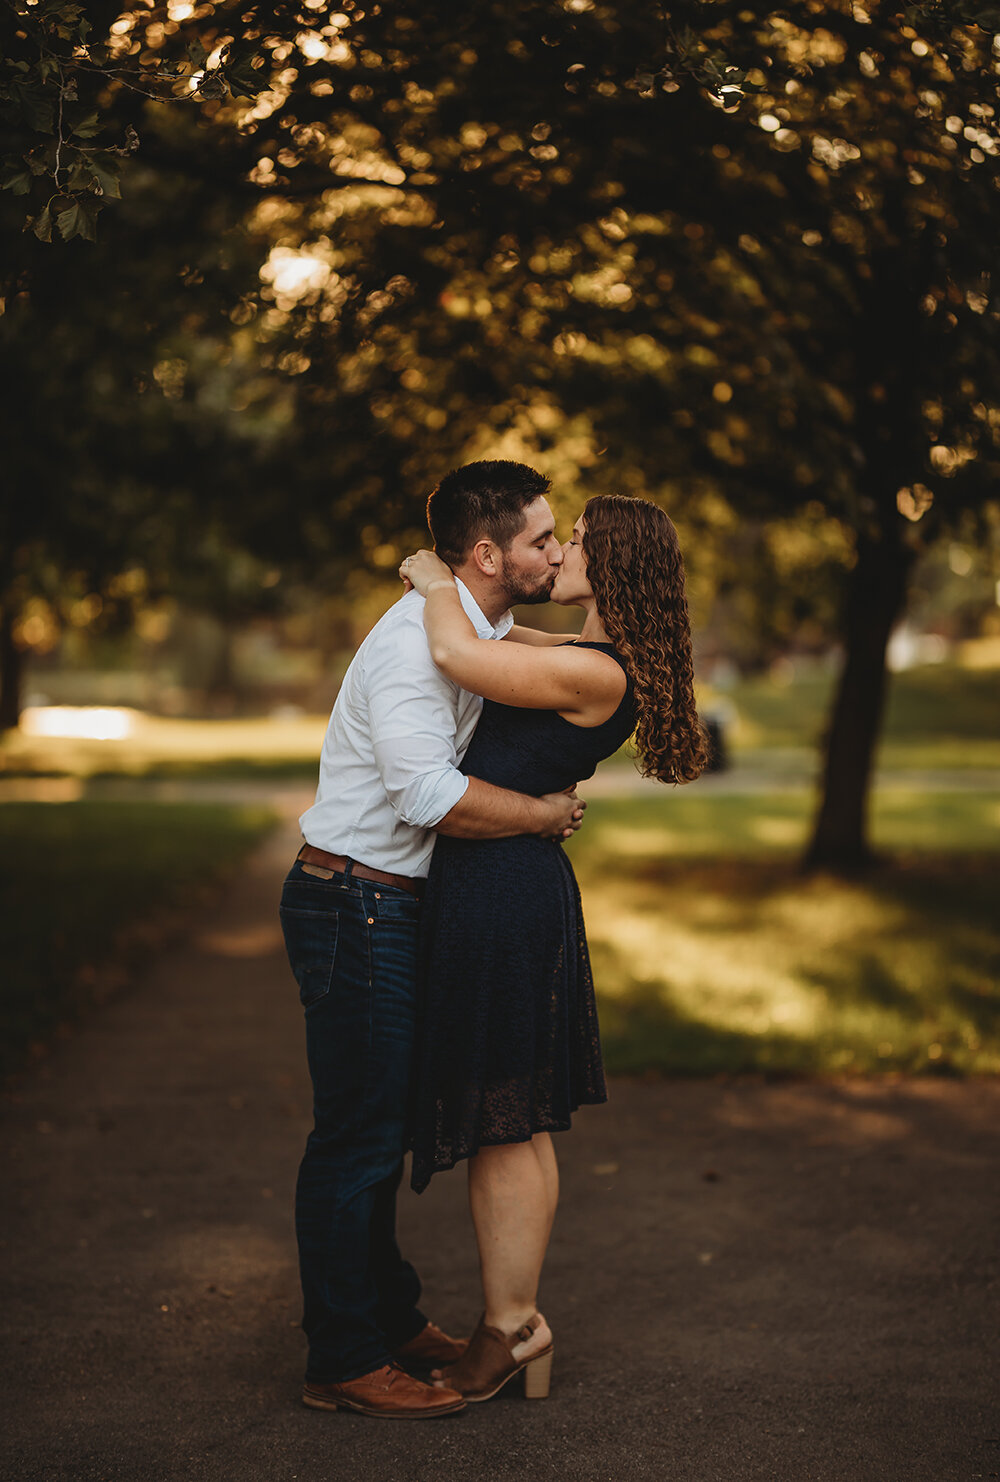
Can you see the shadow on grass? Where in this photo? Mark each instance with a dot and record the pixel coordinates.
(143, 767)
(873, 982)
(223, 769)
(644, 1031)
(746, 966)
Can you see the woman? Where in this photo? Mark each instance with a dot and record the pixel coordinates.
(510, 1043)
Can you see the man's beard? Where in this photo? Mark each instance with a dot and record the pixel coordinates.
(518, 593)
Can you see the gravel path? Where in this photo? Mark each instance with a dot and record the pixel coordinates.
(748, 1281)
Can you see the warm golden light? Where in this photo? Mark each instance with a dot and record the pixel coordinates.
(87, 722)
(293, 274)
(915, 502)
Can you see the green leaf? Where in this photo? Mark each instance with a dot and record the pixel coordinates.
(107, 173)
(80, 174)
(34, 106)
(244, 69)
(69, 219)
(78, 218)
(41, 224)
(212, 85)
(242, 89)
(15, 179)
(66, 15)
(87, 127)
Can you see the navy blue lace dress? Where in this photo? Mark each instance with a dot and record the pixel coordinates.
(508, 1042)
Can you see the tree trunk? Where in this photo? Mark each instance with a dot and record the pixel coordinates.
(876, 600)
(11, 672)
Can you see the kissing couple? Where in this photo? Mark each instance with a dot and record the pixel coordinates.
(433, 921)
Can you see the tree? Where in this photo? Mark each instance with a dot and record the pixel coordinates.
(545, 222)
(792, 309)
(65, 70)
(123, 449)
(64, 67)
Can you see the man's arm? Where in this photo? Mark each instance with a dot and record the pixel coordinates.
(488, 812)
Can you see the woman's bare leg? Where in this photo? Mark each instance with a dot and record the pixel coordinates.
(513, 1193)
(542, 1143)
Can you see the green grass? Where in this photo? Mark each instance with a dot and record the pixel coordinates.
(937, 718)
(78, 880)
(693, 822)
(713, 954)
(942, 717)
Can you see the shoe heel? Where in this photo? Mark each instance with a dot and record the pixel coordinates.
(537, 1376)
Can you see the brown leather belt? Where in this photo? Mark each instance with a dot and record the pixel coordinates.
(340, 862)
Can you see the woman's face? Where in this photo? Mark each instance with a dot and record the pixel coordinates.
(571, 585)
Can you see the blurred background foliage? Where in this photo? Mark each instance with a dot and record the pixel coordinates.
(739, 259)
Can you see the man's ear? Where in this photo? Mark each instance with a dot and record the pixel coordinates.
(484, 557)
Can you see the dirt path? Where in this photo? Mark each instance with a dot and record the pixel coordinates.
(747, 1281)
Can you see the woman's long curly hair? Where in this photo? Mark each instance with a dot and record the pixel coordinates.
(636, 573)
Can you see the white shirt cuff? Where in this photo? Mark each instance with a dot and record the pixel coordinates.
(429, 800)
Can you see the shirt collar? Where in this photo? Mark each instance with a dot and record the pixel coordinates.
(484, 628)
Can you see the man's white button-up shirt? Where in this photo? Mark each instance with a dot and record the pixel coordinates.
(388, 770)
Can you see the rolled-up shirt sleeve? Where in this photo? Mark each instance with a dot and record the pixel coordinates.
(413, 709)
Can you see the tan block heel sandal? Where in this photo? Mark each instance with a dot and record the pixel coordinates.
(488, 1364)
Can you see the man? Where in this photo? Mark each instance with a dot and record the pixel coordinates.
(389, 781)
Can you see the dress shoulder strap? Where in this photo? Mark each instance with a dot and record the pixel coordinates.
(612, 653)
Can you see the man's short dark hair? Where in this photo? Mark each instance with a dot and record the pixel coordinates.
(482, 499)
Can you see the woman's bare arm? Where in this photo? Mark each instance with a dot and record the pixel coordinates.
(536, 639)
(578, 682)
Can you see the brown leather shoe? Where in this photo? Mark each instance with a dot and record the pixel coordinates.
(432, 1346)
(387, 1391)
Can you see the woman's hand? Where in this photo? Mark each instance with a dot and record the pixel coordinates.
(422, 568)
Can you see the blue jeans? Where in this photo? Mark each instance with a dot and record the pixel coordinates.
(352, 946)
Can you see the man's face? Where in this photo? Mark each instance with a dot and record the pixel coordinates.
(531, 562)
